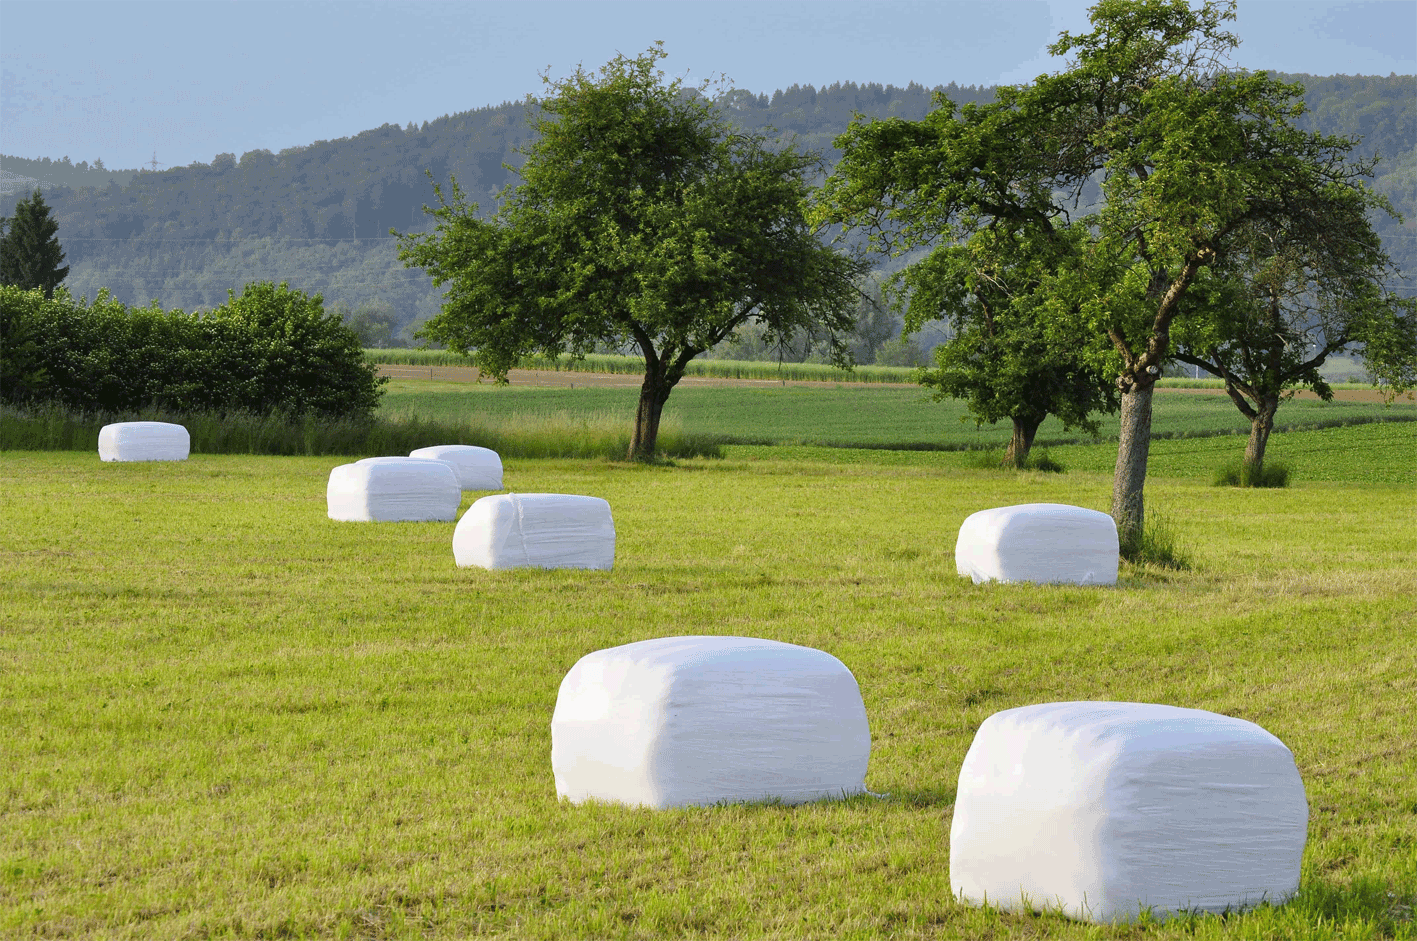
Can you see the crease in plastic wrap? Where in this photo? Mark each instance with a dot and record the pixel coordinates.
(1104, 809)
(1038, 542)
(477, 468)
(536, 530)
(684, 721)
(393, 490)
(144, 441)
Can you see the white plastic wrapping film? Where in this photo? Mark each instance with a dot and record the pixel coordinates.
(682, 721)
(477, 468)
(393, 490)
(144, 441)
(1106, 808)
(1038, 542)
(536, 530)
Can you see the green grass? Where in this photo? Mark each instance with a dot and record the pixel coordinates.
(581, 435)
(847, 416)
(224, 715)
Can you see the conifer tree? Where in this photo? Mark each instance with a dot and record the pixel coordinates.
(30, 253)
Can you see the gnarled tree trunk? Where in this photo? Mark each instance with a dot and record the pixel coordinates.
(1022, 441)
(1260, 426)
(1129, 479)
(653, 394)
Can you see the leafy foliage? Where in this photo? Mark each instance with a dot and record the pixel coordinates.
(641, 219)
(268, 350)
(1191, 157)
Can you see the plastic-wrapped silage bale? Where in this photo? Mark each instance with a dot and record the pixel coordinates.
(1038, 542)
(477, 468)
(536, 530)
(1107, 808)
(682, 721)
(393, 490)
(144, 441)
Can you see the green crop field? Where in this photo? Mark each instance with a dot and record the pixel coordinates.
(224, 715)
(827, 414)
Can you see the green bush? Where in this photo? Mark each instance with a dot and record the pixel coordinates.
(1240, 474)
(269, 350)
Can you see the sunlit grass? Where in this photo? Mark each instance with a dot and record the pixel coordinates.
(225, 715)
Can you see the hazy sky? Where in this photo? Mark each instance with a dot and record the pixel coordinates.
(120, 80)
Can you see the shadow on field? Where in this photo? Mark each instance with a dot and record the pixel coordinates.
(923, 798)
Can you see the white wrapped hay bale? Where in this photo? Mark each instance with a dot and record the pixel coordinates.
(144, 441)
(477, 468)
(536, 530)
(1108, 808)
(682, 721)
(393, 490)
(1038, 542)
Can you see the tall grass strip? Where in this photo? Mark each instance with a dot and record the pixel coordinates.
(547, 436)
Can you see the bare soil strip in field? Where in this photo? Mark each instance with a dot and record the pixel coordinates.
(551, 378)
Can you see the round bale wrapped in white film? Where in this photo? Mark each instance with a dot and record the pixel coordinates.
(1106, 809)
(1038, 542)
(393, 490)
(144, 441)
(536, 530)
(477, 468)
(681, 721)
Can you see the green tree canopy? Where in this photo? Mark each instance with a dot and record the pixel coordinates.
(641, 218)
(1189, 153)
(30, 253)
(1274, 310)
(1007, 361)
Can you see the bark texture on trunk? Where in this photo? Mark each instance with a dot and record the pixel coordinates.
(1022, 441)
(1133, 448)
(1260, 426)
(646, 436)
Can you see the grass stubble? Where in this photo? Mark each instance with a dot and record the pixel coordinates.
(224, 715)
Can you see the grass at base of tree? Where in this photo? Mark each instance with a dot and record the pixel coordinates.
(1240, 474)
(1156, 546)
(1038, 459)
(223, 714)
(51, 428)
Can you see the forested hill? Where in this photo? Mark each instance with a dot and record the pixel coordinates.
(319, 216)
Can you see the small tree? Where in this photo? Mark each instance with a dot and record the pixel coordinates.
(1005, 361)
(643, 218)
(30, 253)
(1276, 310)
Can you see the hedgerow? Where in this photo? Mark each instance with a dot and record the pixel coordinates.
(270, 350)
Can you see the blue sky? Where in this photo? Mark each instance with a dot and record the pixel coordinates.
(120, 80)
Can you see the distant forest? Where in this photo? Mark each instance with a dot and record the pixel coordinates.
(319, 216)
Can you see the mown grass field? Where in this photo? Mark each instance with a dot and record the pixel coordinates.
(224, 715)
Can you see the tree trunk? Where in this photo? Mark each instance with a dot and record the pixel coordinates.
(1022, 441)
(1133, 448)
(653, 395)
(1260, 427)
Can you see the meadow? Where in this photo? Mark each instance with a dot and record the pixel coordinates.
(224, 715)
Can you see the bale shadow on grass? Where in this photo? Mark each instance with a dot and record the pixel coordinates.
(923, 798)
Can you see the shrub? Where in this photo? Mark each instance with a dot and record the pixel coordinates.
(270, 350)
(1240, 474)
